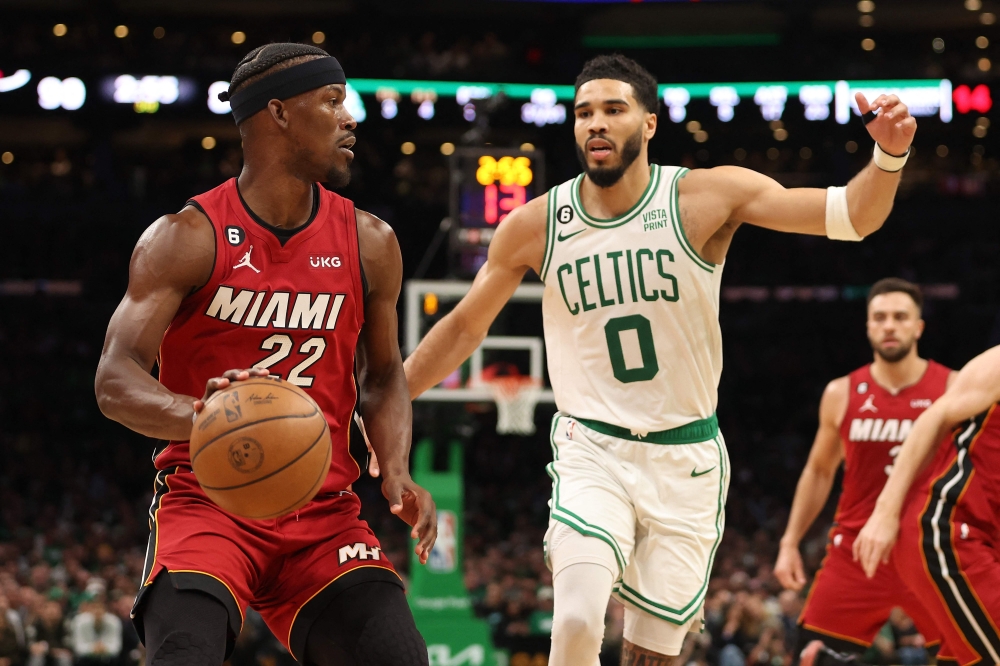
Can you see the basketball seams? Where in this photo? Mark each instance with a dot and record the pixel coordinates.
(252, 423)
(325, 430)
(312, 490)
(246, 418)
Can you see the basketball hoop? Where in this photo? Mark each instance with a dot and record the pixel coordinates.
(516, 397)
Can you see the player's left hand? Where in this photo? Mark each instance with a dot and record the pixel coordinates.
(416, 507)
(875, 541)
(893, 127)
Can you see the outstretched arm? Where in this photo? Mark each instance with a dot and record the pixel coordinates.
(975, 389)
(384, 403)
(814, 485)
(517, 246)
(742, 195)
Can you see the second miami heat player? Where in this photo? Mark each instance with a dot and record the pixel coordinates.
(864, 417)
(949, 537)
(271, 272)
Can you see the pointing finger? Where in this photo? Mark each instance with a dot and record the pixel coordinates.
(862, 103)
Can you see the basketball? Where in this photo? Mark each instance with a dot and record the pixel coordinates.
(261, 448)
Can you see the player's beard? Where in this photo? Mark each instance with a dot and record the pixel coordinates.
(894, 355)
(605, 177)
(338, 177)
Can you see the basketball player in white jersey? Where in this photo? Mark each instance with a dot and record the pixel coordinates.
(631, 256)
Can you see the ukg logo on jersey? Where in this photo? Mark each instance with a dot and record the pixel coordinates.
(316, 261)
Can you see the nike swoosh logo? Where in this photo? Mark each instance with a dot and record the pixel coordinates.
(560, 237)
(695, 471)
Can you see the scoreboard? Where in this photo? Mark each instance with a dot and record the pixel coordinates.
(486, 185)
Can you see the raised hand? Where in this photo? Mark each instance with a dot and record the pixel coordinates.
(893, 127)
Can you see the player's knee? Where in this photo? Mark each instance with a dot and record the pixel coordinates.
(577, 623)
(391, 640)
(182, 648)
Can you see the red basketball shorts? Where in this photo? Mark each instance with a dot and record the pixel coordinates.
(951, 561)
(844, 604)
(287, 569)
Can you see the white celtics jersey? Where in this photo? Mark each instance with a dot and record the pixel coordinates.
(631, 312)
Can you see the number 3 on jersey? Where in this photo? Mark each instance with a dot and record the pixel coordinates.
(312, 348)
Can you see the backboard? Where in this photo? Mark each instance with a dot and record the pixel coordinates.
(427, 300)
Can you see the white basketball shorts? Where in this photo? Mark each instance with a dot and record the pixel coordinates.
(658, 502)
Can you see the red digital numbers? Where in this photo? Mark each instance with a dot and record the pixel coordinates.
(499, 200)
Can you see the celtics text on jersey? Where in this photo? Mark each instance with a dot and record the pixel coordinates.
(630, 312)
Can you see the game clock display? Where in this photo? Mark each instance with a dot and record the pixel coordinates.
(486, 185)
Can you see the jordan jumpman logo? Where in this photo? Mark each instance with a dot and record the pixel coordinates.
(245, 261)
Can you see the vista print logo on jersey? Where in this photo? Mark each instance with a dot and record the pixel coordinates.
(324, 262)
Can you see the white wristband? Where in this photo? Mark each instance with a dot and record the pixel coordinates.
(887, 162)
(838, 219)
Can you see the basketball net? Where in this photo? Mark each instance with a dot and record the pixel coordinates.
(516, 397)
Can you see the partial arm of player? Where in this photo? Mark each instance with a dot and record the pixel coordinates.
(384, 402)
(173, 258)
(518, 245)
(747, 196)
(975, 389)
(815, 483)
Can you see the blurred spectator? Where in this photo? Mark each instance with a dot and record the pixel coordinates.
(11, 648)
(910, 644)
(47, 637)
(96, 635)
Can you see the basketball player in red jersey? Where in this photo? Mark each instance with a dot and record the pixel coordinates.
(863, 418)
(949, 537)
(274, 273)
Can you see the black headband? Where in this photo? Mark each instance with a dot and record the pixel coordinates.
(283, 84)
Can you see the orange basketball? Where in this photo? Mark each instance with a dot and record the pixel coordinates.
(261, 448)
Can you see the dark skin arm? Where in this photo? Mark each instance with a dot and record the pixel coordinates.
(384, 402)
(173, 258)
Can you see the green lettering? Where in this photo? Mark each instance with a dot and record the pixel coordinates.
(583, 283)
(618, 278)
(631, 277)
(644, 332)
(600, 285)
(659, 267)
(642, 281)
(575, 308)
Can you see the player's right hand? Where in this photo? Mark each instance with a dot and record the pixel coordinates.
(875, 541)
(788, 569)
(228, 377)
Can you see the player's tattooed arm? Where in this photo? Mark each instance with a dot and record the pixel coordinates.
(519, 244)
(384, 401)
(975, 389)
(173, 258)
(633, 655)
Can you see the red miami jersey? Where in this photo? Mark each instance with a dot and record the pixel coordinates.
(873, 430)
(296, 309)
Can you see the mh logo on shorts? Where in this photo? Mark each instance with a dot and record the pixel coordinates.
(358, 551)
